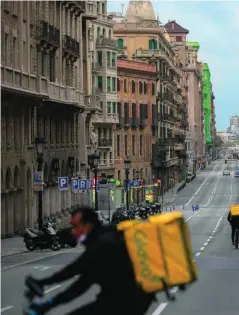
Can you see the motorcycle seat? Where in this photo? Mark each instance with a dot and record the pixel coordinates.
(37, 232)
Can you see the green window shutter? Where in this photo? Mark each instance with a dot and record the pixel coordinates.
(108, 84)
(100, 85)
(108, 107)
(120, 43)
(113, 59)
(114, 107)
(150, 44)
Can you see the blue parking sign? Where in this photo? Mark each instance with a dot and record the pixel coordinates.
(74, 184)
(63, 183)
(89, 184)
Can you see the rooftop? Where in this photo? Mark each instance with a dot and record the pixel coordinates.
(174, 27)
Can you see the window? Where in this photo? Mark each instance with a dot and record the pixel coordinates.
(113, 84)
(140, 87)
(113, 60)
(52, 67)
(118, 85)
(153, 89)
(125, 85)
(153, 44)
(133, 111)
(114, 107)
(145, 88)
(101, 104)
(179, 38)
(108, 107)
(6, 49)
(118, 145)
(111, 157)
(120, 43)
(103, 8)
(126, 145)
(100, 83)
(14, 48)
(140, 144)
(133, 144)
(108, 59)
(108, 84)
(105, 158)
(98, 7)
(126, 113)
(119, 109)
(133, 87)
(99, 57)
(110, 35)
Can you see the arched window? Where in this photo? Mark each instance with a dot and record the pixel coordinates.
(120, 43)
(103, 33)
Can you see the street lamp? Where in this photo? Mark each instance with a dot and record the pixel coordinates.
(127, 163)
(39, 142)
(137, 190)
(93, 161)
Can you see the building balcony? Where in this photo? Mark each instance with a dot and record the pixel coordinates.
(70, 48)
(134, 122)
(179, 147)
(96, 67)
(106, 43)
(89, 10)
(105, 118)
(105, 143)
(47, 35)
(159, 54)
(142, 122)
(92, 103)
(76, 7)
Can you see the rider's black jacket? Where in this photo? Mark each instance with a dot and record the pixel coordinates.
(104, 262)
(233, 220)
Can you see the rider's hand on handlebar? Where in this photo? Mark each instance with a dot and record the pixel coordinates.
(40, 308)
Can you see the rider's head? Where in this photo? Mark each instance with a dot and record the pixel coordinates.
(83, 220)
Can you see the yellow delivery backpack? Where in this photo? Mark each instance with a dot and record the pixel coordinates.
(234, 209)
(160, 251)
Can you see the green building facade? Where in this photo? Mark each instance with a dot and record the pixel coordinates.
(206, 80)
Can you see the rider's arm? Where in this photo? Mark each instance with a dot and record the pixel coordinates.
(67, 272)
(75, 290)
(229, 217)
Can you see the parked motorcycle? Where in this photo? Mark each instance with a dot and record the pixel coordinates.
(65, 237)
(47, 238)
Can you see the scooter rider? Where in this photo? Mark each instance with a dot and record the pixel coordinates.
(234, 221)
(105, 262)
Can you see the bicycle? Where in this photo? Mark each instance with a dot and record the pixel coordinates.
(32, 293)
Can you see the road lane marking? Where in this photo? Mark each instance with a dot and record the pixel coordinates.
(202, 248)
(40, 258)
(198, 254)
(53, 288)
(186, 204)
(213, 192)
(160, 308)
(6, 308)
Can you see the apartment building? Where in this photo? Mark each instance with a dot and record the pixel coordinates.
(141, 37)
(43, 62)
(102, 78)
(138, 125)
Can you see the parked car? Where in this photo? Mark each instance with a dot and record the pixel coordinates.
(236, 173)
(226, 172)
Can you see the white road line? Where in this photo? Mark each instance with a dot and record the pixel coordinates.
(45, 268)
(186, 204)
(198, 254)
(202, 248)
(160, 308)
(6, 308)
(53, 288)
(36, 259)
(205, 244)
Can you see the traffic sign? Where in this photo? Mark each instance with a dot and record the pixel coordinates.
(136, 183)
(38, 181)
(81, 184)
(63, 183)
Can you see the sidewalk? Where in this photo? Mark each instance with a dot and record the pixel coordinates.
(12, 246)
(170, 195)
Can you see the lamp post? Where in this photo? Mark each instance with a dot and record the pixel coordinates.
(93, 161)
(137, 177)
(127, 163)
(39, 142)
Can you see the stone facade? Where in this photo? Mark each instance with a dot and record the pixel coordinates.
(137, 127)
(43, 94)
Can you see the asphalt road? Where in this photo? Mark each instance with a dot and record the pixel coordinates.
(215, 293)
